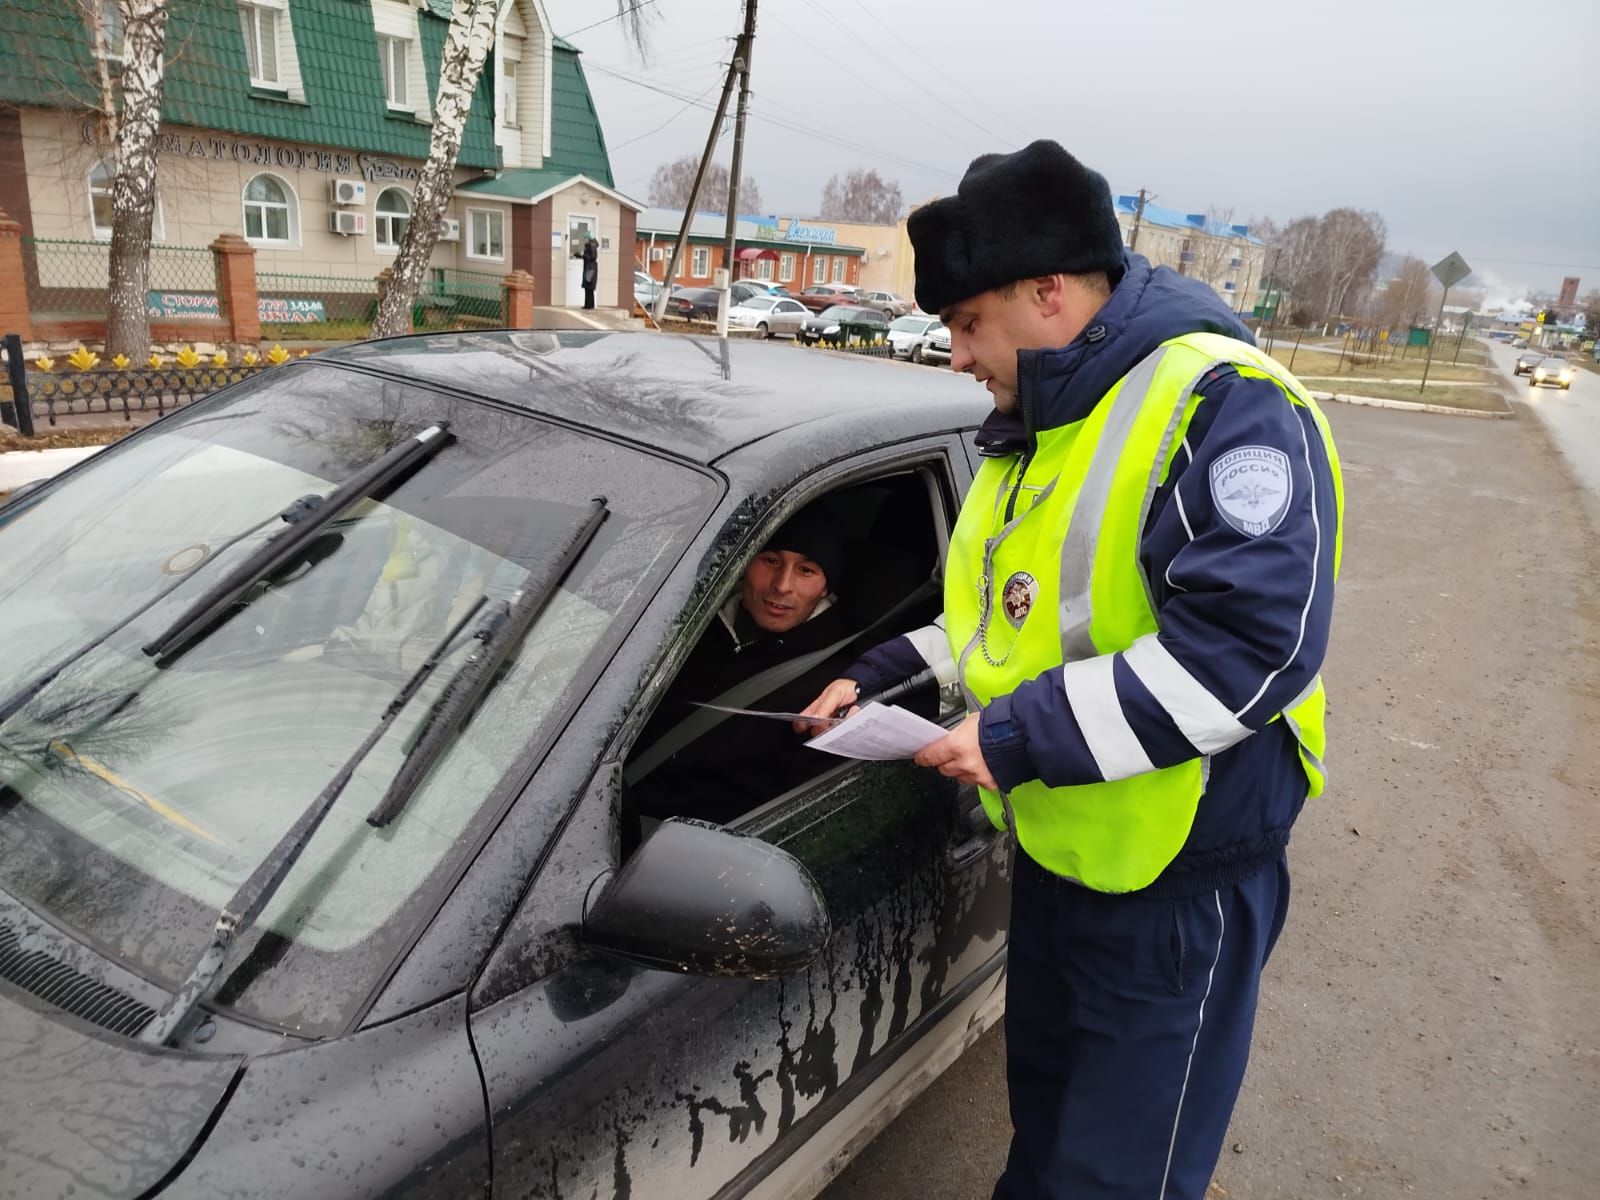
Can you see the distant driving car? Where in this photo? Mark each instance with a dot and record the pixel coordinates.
(1554, 370)
(769, 315)
(827, 326)
(938, 348)
(908, 336)
(431, 589)
(1526, 362)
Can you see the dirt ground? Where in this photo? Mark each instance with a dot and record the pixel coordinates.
(1430, 1022)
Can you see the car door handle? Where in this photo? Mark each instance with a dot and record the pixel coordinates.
(974, 835)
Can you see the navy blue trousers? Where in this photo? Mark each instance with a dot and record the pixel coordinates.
(1127, 1031)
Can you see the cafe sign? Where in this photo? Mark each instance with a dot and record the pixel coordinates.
(272, 310)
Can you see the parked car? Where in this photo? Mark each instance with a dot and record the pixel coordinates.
(824, 295)
(938, 348)
(238, 651)
(645, 289)
(827, 325)
(1527, 361)
(1555, 370)
(908, 336)
(769, 315)
(693, 303)
(743, 289)
(891, 304)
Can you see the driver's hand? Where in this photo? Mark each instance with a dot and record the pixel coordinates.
(841, 693)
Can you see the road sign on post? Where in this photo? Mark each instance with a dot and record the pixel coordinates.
(1449, 270)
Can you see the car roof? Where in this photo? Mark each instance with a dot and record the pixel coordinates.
(700, 398)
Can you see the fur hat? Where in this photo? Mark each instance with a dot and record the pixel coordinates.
(1016, 216)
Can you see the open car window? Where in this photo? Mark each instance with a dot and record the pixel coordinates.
(723, 768)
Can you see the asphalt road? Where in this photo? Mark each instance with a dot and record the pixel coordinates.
(1430, 1023)
(1573, 416)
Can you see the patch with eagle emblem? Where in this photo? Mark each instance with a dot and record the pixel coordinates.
(1252, 487)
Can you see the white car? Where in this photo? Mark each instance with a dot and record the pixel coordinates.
(938, 348)
(891, 304)
(769, 315)
(645, 290)
(909, 336)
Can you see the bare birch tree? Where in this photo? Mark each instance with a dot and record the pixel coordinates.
(466, 47)
(1349, 248)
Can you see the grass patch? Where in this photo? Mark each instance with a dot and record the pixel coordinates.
(63, 439)
(1322, 364)
(1479, 399)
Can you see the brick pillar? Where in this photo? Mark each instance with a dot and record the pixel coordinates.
(13, 284)
(517, 307)
(235, 261)
(384, 276)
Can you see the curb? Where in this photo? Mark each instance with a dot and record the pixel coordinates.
(1443, 410)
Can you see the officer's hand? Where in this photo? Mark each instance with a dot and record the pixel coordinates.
(841, 693)
(959, 756)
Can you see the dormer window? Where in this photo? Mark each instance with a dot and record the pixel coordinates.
(263, 20)
(395, 53)
(109, 30)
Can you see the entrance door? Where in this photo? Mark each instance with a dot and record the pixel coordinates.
(580, 228)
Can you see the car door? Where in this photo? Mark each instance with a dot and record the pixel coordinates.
(788, 316)
(608, 1079)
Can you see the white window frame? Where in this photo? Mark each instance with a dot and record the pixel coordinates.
(764, 270)
(786, 268)
(102, 233)
(380, 219)
(252, 14)
(472, 234)
(700, 263)
(292, 220)
(819, 269)
(838, 268)
(389, 47)
(508, 93)
(108, 21)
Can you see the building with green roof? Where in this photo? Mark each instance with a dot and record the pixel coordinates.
(302, 125)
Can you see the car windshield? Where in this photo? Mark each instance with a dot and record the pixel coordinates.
(909, 325)
(1553, 360)
(763, 303)
(136, 798)
(840, 312)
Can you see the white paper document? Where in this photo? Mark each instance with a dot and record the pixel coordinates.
(879, 732)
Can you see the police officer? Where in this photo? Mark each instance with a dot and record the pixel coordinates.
(1137, 600)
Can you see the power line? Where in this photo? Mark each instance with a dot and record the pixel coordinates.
(842, 143)
(917, 83)
(613, 17)
(686, 107)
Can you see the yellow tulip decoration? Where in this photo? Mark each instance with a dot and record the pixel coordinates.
(219, 359)
(277, 356)
(187, 358)
(83, 358)
(120, 362)
(46, 364)
(251, 358)
(155, 360)
(303, 353)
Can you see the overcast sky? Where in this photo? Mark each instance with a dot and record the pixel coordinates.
(1469, 125)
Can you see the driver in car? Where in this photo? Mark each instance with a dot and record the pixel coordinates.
(773, 645)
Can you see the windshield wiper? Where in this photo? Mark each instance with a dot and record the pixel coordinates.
(247, 903)
(497, 636)
(309, 517)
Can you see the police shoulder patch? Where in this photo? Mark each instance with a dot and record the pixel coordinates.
(1252, 487)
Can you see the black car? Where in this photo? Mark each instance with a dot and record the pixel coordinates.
(320, 703)
(693, 303)
(836, 324)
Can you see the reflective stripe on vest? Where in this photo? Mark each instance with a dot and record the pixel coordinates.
(1071, 551)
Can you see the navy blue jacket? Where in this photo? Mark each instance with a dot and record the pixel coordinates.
(1245, 614)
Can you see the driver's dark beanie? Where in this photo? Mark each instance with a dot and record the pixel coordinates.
(1016, 216)
(812, 534)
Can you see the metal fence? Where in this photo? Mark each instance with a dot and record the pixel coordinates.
(452, 299)
(71, 280)
(319, 308)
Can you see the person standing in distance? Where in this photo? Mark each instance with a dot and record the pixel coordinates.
(1137, 601)
(591, 271)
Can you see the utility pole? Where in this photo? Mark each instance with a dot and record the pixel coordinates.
(1138, 219)
(741, 63)
(694, 192)
(1432, 338)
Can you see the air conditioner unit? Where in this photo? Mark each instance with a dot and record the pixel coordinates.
(347, 223)
(347, 191)
(449, 230)
(658, 254)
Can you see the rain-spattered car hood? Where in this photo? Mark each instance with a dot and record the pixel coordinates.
(89, 1113)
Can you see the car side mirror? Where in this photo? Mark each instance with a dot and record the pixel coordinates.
(697, 899)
